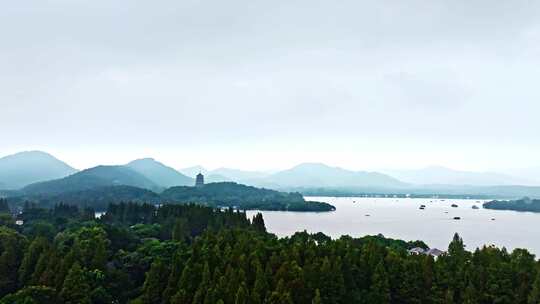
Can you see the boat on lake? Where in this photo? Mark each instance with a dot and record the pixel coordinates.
(454, 206)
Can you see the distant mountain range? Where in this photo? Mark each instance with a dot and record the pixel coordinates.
(40, 173)
(209, 176)
(303, 175)
(24, 168)
(320, 175)
(436, 175)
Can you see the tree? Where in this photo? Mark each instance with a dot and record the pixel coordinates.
(258, 223)
(12, 246)
(380, 289)
(260, 286)
(534, 296)
(180, 230)
(76, 289)
(155, 283)
(31, 257)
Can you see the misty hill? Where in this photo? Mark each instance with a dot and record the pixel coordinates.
(209, 176)
(217, 178)
(321, 176)
(160, 174)
(243, 197)
(100, 176)
(225, 175)
(445, 176)
(192, 171)
(531, 175)
(239, 175)
(24, 168)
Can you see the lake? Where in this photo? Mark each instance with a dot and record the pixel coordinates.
(401, 218)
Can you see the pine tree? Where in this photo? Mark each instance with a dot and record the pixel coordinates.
(76, 289)
(534, 296)
(180, 230)
(31, 257)
(260, 287)
(258, 222)
(11, 252)
(469, 297)
(155, 283)
(204, 286)
(48, 277)
(174, 277)
(380, 288)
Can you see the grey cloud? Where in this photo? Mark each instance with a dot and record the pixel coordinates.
(235, 72)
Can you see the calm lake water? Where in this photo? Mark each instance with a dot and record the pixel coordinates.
(402, 219)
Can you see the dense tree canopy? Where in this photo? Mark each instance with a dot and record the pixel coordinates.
(222, 195)
(228, 194)
(139, 253)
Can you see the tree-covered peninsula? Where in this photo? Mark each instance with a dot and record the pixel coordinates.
(229, 194)
(524, 204)
(225, 194)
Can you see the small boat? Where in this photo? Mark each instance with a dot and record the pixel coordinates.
(475, 207)
(367, 215)
(422, 207)
(492, 219)
(454, 206)
(457, 218)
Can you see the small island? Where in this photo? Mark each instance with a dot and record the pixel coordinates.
(525, 204)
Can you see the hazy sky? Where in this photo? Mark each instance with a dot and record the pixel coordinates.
(264, 84)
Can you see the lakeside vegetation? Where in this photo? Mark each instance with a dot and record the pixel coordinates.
(524, 204)
(225, 194)
(139, 253)
(229, 194)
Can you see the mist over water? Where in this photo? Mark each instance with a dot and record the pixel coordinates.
(402, 219)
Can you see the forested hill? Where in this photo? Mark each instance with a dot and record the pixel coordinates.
(230, 194)
(21, 169)
(97, 198)
(142, 254)
(524, 204)
(100, 176)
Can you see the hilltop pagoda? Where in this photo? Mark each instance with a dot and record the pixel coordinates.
(199, 180)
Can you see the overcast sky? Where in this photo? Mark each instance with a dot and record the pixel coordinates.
(264, 84)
